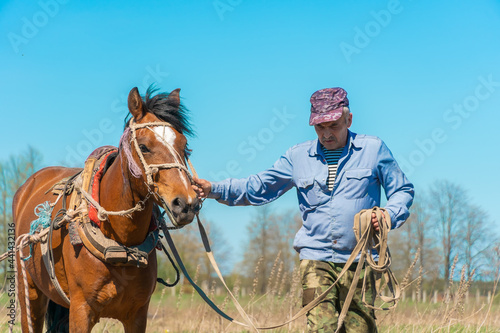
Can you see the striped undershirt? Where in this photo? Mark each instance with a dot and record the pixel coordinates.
(332, 158)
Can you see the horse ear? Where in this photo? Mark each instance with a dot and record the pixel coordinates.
(135, 104)
(173, 98)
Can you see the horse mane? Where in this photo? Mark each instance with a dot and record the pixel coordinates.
(158, 105)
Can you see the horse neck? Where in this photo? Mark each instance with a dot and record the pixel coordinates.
(118, 194)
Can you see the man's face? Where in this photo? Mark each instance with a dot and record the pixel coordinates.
(333, 134)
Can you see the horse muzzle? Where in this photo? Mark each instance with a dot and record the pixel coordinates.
(184, 211)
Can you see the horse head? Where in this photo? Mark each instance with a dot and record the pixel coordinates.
(155, 144)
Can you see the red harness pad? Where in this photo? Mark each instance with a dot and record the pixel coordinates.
(95, 186)
(96, 181)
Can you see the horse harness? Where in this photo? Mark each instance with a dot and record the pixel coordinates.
(118, 254)
(84, 225)
(84, 213)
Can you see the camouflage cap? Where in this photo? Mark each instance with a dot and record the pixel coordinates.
(327, 105)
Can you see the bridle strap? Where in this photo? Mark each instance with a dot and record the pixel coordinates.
(152, 169)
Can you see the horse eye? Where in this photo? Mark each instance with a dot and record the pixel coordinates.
(144, 149)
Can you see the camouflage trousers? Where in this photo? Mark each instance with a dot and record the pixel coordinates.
(317, 276)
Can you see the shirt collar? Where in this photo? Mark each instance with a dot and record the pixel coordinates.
(352, 140)
(315, 148)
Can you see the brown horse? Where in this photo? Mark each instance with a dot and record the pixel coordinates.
(150, 167)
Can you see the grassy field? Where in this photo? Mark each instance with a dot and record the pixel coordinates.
(186, 312)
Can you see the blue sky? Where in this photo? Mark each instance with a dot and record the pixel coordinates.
(422, 75)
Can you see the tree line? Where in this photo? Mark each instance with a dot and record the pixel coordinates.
(450, 233)
(446, 233)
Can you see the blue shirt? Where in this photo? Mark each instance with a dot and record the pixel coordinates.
(326, 234)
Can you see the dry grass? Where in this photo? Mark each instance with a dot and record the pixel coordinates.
(409, 316)
(186, 312)
(420, 317)
(171, 313)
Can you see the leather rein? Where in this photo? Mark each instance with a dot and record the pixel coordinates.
(367, 239)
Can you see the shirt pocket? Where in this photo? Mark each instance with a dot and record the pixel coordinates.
(357, 182)
(311, 193)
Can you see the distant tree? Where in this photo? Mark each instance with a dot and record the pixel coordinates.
(257, 258)
(404, 243)
(13, 173)
(290, 223)
(447, 202)
(5, 192)
(491, 271)
(424, 237)
(5, 211)
(21, 167)
(415, 234)
(269, 235)
(477, 237)
(33, 160)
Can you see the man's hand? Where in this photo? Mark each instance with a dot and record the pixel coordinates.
(375, 221)
(202, 187)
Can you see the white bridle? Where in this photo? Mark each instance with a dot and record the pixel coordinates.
(152, 169)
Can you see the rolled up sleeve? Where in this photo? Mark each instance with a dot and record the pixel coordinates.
(257, 189)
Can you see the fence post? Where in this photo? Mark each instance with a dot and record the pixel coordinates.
(424, 296)
(478, 296)
(435, 298)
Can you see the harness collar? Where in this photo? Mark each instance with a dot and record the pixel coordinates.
(95, 181)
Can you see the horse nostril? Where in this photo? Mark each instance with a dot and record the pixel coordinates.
(178, 205)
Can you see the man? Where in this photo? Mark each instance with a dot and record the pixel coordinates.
(336, 175)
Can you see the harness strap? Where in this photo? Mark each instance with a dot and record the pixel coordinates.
(49, 264)
(177, 273)
(200, 291)
(46, 247)
(112, 252)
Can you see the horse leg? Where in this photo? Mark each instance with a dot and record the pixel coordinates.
(137, 323)
(37, 303)
(81, 317)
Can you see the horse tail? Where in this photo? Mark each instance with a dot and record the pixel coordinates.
(57, 318)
